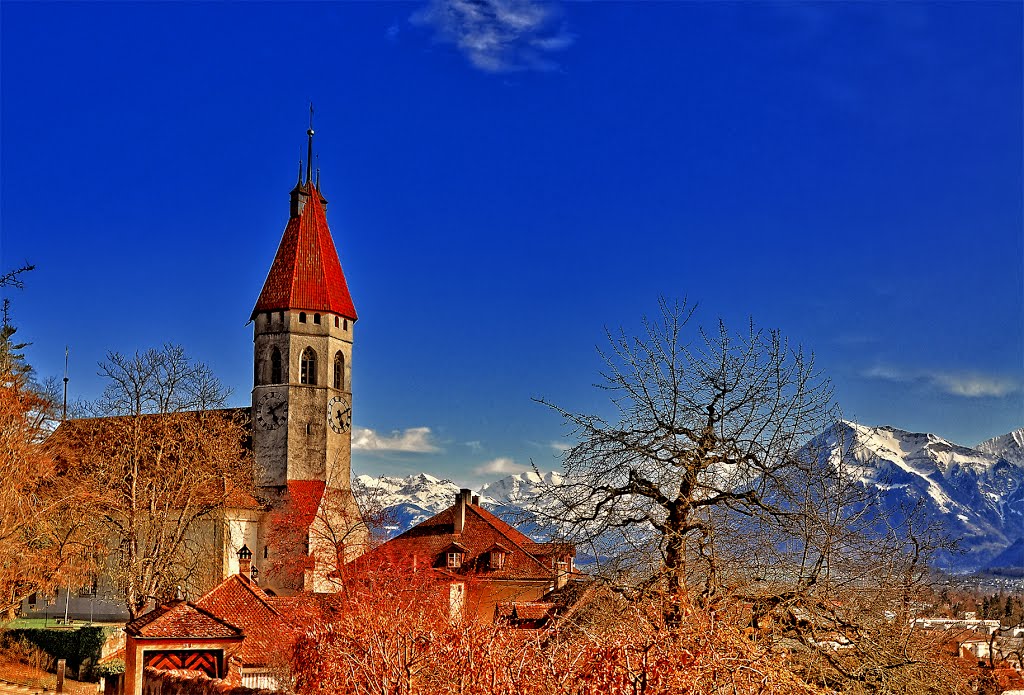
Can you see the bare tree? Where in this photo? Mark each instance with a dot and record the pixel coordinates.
(159, 466)
(717, 482)
(698, 428)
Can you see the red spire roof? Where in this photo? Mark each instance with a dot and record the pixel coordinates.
(306, 273)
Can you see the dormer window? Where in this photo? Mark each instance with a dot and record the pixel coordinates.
(454, 560)
(497, 559)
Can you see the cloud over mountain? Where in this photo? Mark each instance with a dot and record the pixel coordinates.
(412, 440)
(964, 384)
(500, 466)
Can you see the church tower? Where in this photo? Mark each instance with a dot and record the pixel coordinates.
(304, 323)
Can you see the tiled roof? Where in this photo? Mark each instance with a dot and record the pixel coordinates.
(181, 619)
(306, 273)
(425, 544)
(72, 432)
(243, 603)
(75, 440)
(527, 610)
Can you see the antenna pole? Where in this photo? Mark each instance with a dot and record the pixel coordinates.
(65, 415)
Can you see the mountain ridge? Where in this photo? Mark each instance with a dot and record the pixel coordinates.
(975, 494)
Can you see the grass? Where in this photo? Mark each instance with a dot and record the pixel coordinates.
(51, 624)
(29, 623)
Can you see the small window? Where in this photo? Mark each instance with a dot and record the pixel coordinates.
(275, 367)
(335, 321)
(316, 319)
(345, 324)
(309, 428)
(497, 559)
(455, 560)
(266, 552)
(308, 367)
(302, 317)
(280, 317)
(339, 370)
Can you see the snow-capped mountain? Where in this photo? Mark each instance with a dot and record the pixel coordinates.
(975, 494)
(405, 502)
(1009, 446)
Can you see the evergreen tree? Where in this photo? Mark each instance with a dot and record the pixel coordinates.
(12, 359)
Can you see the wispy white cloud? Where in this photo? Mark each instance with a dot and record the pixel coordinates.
(500, 466)
(475, 446)
(498, 35)
(963, 384)
(416, 440)
(976, 385)
(560, 447)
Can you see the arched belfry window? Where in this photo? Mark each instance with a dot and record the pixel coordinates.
(275, 367)
(339, 370)
(308, 374)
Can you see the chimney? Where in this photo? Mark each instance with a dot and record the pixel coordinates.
(461, 500)
(476, 500)
(254, 575)
(244, 561)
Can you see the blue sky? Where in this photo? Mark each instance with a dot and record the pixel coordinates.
(506, 178)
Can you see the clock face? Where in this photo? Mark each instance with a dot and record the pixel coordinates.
(272, 410)
(339, 414)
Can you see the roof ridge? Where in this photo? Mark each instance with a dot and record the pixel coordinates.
(220, 620)
(165, 609)
(514, 541)
(257, 592)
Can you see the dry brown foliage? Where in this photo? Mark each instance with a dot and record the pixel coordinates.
(156, 470)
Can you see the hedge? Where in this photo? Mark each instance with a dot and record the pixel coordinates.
(75, 646)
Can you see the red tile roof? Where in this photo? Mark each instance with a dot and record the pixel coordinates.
(527, 610)
(306, 273)
(243, 603)
(181, 619)
(236, 610)
(425, 545)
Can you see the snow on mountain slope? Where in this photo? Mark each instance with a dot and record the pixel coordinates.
(1009, 446)
(519, 489)
(410, 500)
(978, 497)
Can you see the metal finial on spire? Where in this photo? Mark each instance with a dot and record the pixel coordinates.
(298, 182)
(318, 178)
(309, 159)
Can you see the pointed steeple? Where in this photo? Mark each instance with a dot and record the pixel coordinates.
(306, 274)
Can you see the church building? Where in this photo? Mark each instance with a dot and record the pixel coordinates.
(301, 521)
(304, 325)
